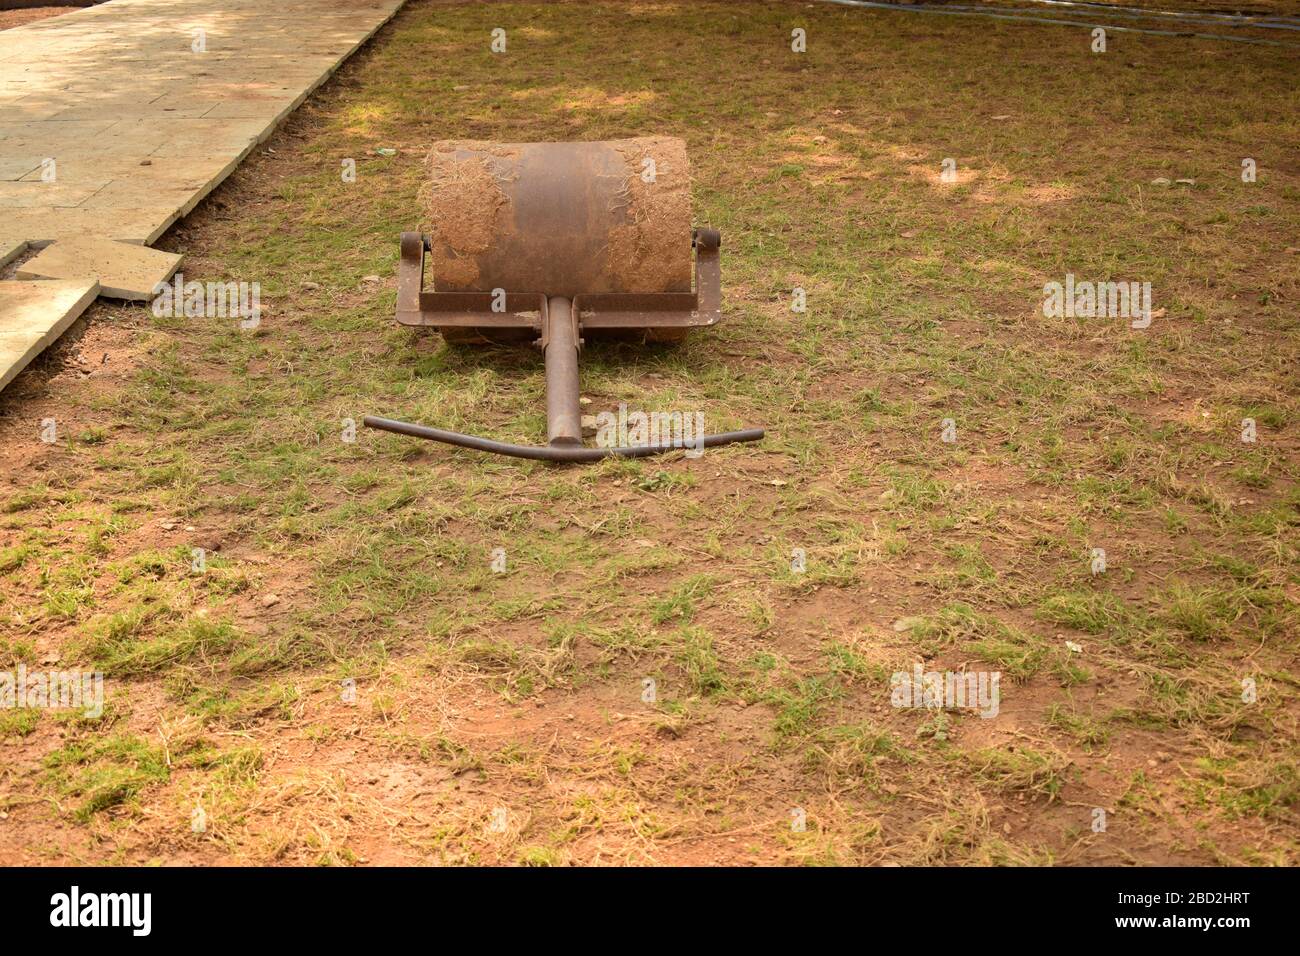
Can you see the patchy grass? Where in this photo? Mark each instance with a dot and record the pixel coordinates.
(678, 654)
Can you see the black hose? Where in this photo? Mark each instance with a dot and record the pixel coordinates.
(552, 452)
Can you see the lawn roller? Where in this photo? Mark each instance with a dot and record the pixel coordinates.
(552, 243)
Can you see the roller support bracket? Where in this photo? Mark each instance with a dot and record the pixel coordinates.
(499, 309)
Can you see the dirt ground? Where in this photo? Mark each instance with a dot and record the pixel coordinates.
(16, 18)
(390, 651)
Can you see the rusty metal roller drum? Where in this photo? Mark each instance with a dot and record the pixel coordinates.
(559, 218)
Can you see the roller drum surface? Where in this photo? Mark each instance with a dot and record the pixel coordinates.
(561, 219)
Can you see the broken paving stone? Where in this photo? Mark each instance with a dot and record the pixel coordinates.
(124, 271)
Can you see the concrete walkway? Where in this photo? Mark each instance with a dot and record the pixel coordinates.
(116, 120)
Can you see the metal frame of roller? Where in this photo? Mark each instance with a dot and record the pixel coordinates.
(558, 322)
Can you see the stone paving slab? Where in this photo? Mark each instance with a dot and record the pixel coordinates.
(11, 249)
(123, 271)
(34, 314)
(140, 226)
(19, 195)
(18, 166)
(140, 126)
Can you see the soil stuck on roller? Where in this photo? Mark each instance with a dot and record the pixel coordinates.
(653, 252)
(464, 207)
